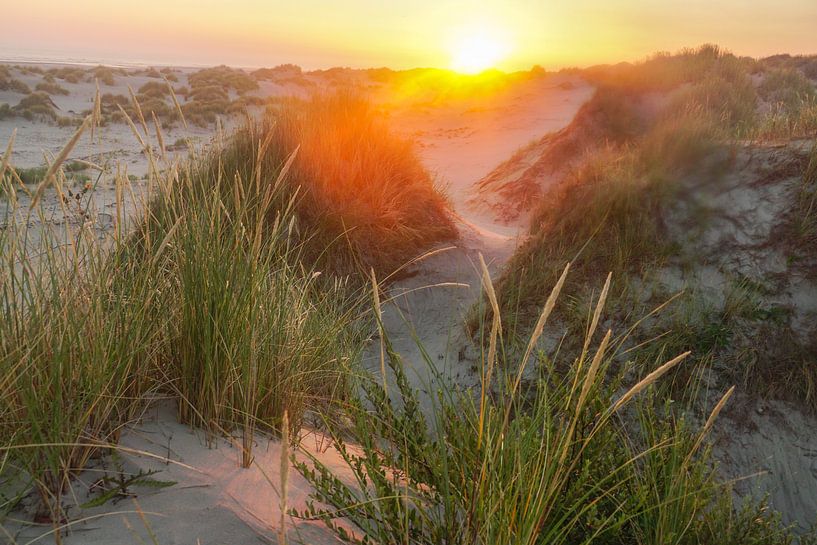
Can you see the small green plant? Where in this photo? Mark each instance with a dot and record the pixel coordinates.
(112, 488)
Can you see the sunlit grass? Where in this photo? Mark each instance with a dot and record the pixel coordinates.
(209, 294)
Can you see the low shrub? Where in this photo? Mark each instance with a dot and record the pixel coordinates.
(280, 71)
(154, 89)
(106, 75)
(9, 83)
(36, 105)
(224, 77)
(787, 89)
(51, 88)
(69, 74)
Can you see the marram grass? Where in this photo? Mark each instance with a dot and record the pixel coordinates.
(569, 456)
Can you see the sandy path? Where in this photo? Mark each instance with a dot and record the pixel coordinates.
(461, 143)
(214, 500)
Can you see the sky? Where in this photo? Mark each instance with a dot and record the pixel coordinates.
(398, 34)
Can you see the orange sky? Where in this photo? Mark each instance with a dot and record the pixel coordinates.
(360, 33)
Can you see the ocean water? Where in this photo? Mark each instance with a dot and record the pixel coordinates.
(44, 56)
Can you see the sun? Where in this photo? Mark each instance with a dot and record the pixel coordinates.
(477, 50)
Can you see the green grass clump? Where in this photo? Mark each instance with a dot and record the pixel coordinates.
(806, 216)
(279, 72)
(206, 103)
(109, 102)
(224, 77)
(36, 105)
(169, 74)
(106, 75)
(203, 112)
(148, 103)
(150, 73)
(31, 176)
(73, 353)
(299, 351)
(240, 105)
(69, 74)
(786, 87)
(805, 64)
(51, 88)
(154, 89)
(208, 93)
(29, 70)
(791, 106)
(9, 83)
(565, 457)
(781, 123)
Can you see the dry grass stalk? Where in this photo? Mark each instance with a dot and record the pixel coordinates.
(540, 325)
(594, 367)
(49, 177)
(380, 332)
(282, 535)
(647, 381)
(496, 327)
(596, 314)
(710, 422)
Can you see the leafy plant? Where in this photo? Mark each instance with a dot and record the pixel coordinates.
(113, 488)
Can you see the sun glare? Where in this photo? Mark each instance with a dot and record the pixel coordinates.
(477, 50)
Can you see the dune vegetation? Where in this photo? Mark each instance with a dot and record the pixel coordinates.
(566, 454)
(94, 328)
(643, 182)
(9, 83)
(589, 422)
(574, 436)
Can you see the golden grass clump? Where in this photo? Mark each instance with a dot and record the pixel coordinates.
(361, 185)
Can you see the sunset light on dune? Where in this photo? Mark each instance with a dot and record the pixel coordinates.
(442, 271)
